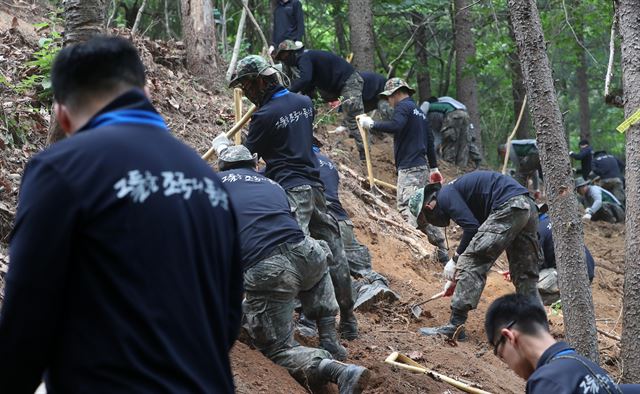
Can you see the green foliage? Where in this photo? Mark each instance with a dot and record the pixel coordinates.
(40, 66)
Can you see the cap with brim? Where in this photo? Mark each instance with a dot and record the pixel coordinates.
(581, 182)
(251, 66)
(416, 202)
(287, 45)
(236, 153)
(394, 84)
(543, 207)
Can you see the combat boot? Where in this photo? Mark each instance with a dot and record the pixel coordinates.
(348, 326)
(306, 327)
(350, 378)
(329, 338)
(458, 318)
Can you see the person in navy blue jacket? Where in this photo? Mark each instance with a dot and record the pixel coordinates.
(371, 89)
(332, 75)
(517, 328)
(496, 214)
(282, 264)
(609, 168)
(371, 286)
(281, 132)
(125, 271)
(412, 146)
(288, 22)
(585, 156)
(548, 276)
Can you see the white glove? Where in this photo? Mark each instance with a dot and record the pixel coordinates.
(588, 211)
(587, 216)
(449, 272)
(298, 43)
(221, 143)
(340, 129)
(570, 152)
(270, 50)
(366, 122)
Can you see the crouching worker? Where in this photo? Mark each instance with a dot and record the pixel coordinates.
(280, 265)
(548, 277)
(370, 286)
(601, 204)
(496, 214)
(517, 328)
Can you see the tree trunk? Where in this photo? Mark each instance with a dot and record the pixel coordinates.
(198, 34)
(136, 24)
(236, 46)
(423, 77)
(339, 23)
(361, 34)
(518, 92)
(577, 305)
(466, 86)
(629, 25)
(82, 20)
(582, 82)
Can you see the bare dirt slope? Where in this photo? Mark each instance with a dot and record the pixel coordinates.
(196, 115)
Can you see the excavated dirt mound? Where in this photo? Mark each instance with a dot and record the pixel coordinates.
(196, 114)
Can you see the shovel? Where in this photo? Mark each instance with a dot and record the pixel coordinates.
(417, 311)
(401, 361)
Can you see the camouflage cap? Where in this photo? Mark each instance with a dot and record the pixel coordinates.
(287, 45)
(251, 66)
(394, 84)
(416, 202)
(236, 153)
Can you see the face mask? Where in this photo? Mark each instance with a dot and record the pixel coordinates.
(437, 217)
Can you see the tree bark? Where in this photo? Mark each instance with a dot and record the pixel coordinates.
(518, 91)
(577, 304)
(361, 34)
(339, 23)
(236, 46)
(82, 20)
(629, 25)
(423, 77)
(134, 29)
(199, 37)
(582, 76)
(466, 86)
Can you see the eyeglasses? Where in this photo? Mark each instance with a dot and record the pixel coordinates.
(502, 337)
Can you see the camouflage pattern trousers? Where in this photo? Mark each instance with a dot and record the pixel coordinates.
(358, 255)
(310, 208)
(610, 213)
(456, 137)
(411, 180)
(271, 286)
(511, 227)
(352, 106)
(548, 286)
(615, 186)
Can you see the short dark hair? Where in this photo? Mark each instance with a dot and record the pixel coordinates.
(232, 165)
(95, 67)
(527, 312)
(584, 142)
(432, 99)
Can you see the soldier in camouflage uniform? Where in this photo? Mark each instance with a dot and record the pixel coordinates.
(413, 146)
(496, 214)
(281, 133)
(455, 129)
(331, 74)
(280, 265)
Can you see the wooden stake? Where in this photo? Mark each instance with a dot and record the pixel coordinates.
(237, 107)
(233, 130)
(365, 143)
(404, 362)
(513, 133)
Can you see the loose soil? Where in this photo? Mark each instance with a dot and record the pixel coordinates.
(196, 114)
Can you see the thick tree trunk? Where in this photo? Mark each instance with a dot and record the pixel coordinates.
(577, 305)
(361, 34)
(198, 34)
(82, 20)
(466, 86)
(518, 92)
(629, 24)
(423, 77)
